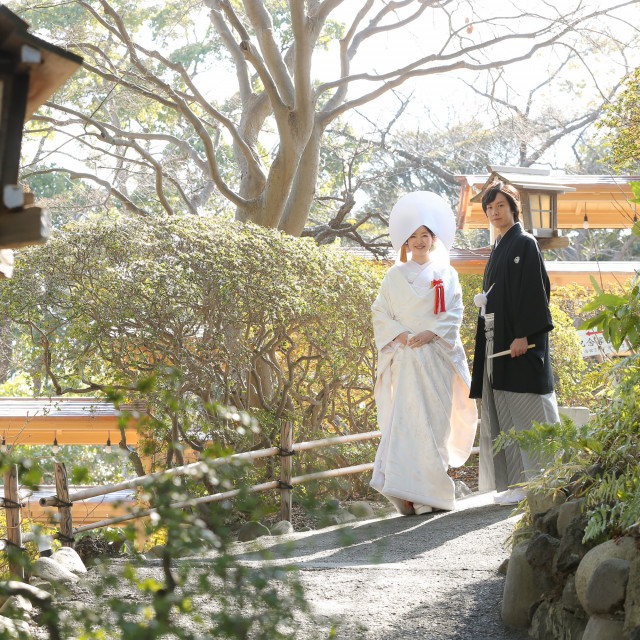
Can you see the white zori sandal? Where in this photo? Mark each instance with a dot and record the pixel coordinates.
(420, 509)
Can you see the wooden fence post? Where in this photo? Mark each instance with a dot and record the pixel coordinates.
(64, 506)
(286, 454)
(12, 510)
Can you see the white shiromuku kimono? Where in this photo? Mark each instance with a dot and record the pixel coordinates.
(427, 419)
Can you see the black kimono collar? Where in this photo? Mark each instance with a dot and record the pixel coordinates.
(510, 233)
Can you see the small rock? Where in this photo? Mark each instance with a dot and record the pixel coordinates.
(339, 517)
(48, 569)
(461, 489)
(41, 585)
(16, 607)
(14, 627)
(69, 558)
(504, 565)
(578, 415)
(623, 548)
(570, 599)
(332, 503)
(595, 471)
(547, 521)
(566, 513)
(251, 531)
(520, 590)
(607, 587)
(540, 554)
(361, 509)
(603, 628)
(155, 552)
(551, 620)
(540, 501)
(282, 528)
(632, 600)
(571, 549)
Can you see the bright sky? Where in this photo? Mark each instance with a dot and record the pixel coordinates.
(446, 95)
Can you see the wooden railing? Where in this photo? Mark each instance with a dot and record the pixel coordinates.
(64, 500)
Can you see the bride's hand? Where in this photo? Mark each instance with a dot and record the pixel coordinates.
(422, 338)
(403, 337)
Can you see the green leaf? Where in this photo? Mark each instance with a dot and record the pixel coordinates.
(80, 475)
(595, 284)
(593, 322)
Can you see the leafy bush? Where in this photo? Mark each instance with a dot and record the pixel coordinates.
(211, 595)
(566, 352)
(210, 311)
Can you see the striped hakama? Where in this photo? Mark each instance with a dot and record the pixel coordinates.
(501, 411)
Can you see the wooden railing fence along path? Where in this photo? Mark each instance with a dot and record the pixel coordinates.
(64, 500)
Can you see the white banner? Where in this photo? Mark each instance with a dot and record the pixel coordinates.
(594, 344)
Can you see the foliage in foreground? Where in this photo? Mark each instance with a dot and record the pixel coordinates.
(213, 595)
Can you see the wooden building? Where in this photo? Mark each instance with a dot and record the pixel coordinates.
(552, 204)
(66, 421)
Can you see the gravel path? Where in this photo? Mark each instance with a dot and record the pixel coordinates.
(432, 577)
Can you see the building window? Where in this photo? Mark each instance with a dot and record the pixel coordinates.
(540, 205)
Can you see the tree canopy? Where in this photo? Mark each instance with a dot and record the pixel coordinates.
(154, 123)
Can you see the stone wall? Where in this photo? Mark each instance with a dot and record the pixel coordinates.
(564, 589)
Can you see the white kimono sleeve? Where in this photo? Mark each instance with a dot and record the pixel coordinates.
(385, 327)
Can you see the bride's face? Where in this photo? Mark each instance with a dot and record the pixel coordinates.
(419, 244)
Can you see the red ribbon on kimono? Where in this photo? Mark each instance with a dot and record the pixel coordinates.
(439, 285)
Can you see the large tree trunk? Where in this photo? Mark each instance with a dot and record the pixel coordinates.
(296, 211)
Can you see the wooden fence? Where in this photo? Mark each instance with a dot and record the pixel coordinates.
(64, 500)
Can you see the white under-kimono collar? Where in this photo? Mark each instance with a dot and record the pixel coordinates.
(419, 276)
(411, 269)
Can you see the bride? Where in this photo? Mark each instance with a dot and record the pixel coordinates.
(427, 419)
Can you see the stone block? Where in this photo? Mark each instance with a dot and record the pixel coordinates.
(566, 513)
(603, 628)
(520, 590)
(623, 548)
(607, 587)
